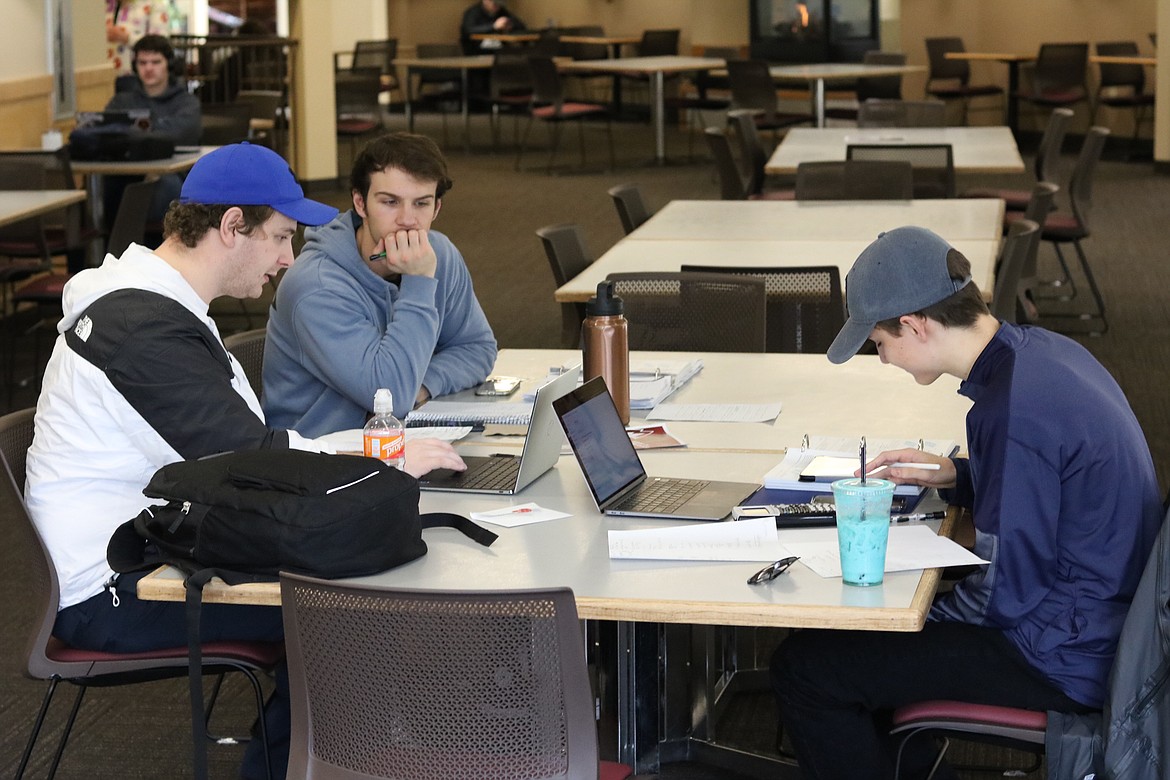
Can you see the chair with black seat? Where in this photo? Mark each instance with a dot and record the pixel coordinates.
(550, 106)
(702, 312)
(732, 184)
(1072, 226)
(654, 43)
(359, 114)
(934, 164)
(752, 89)
(1058, 76)
(878, 112)
(1039, 207)
(482, 684)
(378, 54)
(951, 79)
(805, 307)
(1045, 166)
(855, 180)
(1008, 299)
(509, 90)
(631, 208)
(698, 98)
(1136, 690)
(754, 158)
(225, 123)
(872, 87)
(52, 660)
(248, 348)
(564, 246)
(266, 117)
(436, 87)
(1123, 86)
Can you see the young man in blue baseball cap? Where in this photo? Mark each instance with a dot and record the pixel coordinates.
(139, 378)
(1065, 503)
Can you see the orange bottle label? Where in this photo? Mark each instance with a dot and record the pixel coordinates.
(385, 447)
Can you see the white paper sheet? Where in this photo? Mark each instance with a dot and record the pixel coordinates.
(909, 547)
(746, 540)
(520, 514)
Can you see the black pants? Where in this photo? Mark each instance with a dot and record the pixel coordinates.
(137, 626)
(836, 691)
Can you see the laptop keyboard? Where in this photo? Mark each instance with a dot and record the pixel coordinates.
(494, 474)
(662, 495)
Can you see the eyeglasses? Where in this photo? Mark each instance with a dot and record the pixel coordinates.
(772, 570)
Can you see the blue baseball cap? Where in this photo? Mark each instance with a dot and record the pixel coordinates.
(901, 272)
(249, 175)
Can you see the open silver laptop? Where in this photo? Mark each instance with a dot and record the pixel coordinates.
(614, 471)
(507, 474)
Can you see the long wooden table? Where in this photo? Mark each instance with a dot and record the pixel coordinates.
(791, 233)
(975, 149)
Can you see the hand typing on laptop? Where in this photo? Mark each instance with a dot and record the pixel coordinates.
(424, 455)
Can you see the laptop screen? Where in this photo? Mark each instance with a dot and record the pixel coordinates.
(599, 440)
(131, 117)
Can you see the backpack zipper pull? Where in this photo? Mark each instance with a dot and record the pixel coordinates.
(182, 516)
(112, 586)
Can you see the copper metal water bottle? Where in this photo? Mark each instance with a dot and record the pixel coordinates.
(606, 345)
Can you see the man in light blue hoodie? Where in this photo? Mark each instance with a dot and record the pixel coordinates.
(376, 299)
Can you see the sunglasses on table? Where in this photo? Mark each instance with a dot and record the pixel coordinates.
(772, 570)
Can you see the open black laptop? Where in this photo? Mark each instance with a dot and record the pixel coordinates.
(507, 474)
(614, 471)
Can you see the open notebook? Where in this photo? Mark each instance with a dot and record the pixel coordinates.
(786, 475)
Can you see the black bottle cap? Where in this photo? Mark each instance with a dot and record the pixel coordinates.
(605, 303)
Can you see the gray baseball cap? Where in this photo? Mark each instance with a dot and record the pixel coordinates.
(901, 272)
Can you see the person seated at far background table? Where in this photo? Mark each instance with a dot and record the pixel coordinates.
(1065, 502)
(486, 16)
(376, 299)
(174, 112)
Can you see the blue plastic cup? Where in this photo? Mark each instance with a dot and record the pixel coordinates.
(863, 528)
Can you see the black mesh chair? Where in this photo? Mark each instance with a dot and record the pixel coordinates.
(248, 348)
(1072, 226)
(804, 303)
(754, 158)
(934, 164)
(1123, 86)
(550, 106)
(872, 87)
(702, 312)
(1045, 167)
(482, 684)
(1008, 299)
(1058, 76)
(951, 79)
(50, 659)
(878, 112)
(564, 246)
(752, 88)
(631, 208)
(855, 180)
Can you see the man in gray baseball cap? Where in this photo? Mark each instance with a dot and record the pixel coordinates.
(1065, 503)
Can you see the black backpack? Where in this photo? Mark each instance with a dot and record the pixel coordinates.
(245, 516)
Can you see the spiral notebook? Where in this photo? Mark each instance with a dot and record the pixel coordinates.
(786, 474)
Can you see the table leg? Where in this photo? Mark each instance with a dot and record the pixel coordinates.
(1013, 106)
(659, 117)
(638, 696)
(95, 193)
(819, 101)
(410, 99)
(617, 82)
(464, 79)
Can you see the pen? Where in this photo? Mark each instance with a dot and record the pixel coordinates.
(380, 256)
(936, 515)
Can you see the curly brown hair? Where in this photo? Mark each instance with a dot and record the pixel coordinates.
(189, 222)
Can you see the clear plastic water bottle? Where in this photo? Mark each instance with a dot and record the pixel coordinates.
(384, 435)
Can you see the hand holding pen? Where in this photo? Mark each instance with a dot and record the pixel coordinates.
(913, 467)
(406, 252)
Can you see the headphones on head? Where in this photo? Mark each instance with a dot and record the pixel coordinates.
(159, 44)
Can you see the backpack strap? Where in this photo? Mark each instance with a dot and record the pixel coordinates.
(473, 531)
(194, 586)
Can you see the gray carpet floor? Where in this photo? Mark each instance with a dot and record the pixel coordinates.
(491, 215)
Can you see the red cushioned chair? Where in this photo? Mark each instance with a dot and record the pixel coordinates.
(51, 659)
(549, 106)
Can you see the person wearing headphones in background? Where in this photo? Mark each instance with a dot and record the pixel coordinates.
(174, 112)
